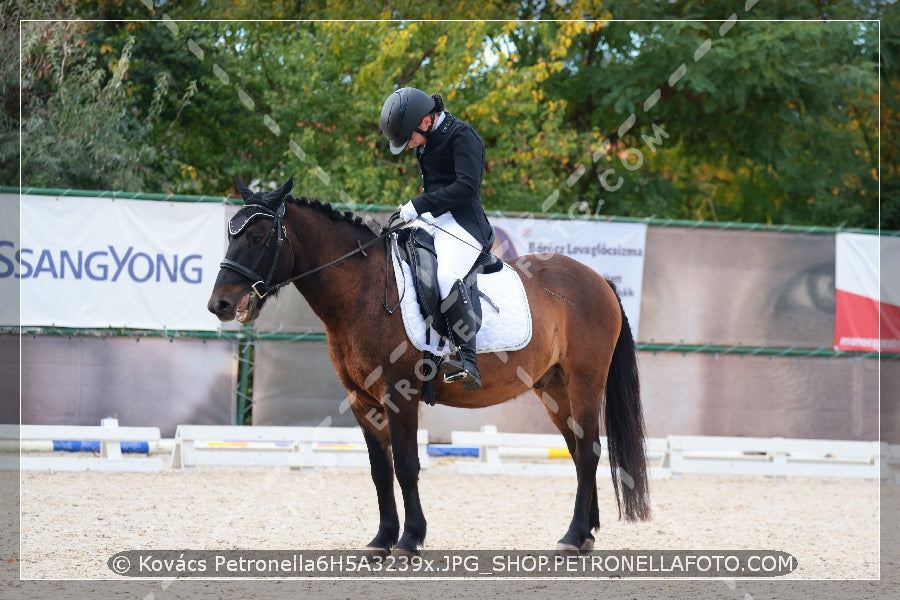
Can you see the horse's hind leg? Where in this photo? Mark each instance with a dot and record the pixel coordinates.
(378, 443)
(581, 431)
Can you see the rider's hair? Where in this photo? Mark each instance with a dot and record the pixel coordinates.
(438, 104)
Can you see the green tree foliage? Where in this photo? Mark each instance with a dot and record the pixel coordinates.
(704, 111)
(890, 119)
(9, 94)
(81, 126)
(769, 122)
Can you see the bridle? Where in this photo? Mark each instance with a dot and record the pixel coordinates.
(274, 241)
(263, 285)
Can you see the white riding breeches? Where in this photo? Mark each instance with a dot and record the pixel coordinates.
(457, 249)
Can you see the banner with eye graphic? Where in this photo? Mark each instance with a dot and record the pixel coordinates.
(867, 293)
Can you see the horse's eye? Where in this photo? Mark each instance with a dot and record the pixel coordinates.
(256, 239)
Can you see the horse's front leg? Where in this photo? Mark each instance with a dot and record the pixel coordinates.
(403, 419)
(374, 424)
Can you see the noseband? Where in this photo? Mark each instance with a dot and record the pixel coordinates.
(263, 285)
(252, 211)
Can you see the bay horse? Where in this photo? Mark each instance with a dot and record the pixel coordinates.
(581, 347)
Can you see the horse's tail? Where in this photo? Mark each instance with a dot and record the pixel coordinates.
(624, 422)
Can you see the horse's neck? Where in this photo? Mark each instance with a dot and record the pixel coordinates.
(334, 293)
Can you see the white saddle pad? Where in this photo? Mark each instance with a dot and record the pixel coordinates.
(508, 330)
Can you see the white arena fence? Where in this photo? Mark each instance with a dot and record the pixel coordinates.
(779, 457)
(676, 456)
(108, 433)
(494, 446)
(297, 447)
(497, 453)
(193, 445)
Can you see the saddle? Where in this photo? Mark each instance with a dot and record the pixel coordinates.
(416, 247)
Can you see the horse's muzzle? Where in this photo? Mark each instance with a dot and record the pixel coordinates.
(244, 310)
(222, 308)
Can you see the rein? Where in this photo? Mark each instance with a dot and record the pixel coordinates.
(360, 249)
(281, 231)
(280, 228)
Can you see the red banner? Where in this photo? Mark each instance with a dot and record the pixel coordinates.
(867, 293)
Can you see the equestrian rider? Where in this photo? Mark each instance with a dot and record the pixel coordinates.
(451, 162)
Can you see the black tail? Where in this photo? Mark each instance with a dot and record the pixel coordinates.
(624, 422)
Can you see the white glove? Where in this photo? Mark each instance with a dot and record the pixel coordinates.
(408, 212)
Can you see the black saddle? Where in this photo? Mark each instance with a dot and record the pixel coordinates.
(416, 248)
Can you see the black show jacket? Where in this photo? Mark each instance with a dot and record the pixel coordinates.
(452, 167)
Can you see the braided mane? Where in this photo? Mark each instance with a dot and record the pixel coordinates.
(334, 214)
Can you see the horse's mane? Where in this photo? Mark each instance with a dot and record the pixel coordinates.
(335, 215)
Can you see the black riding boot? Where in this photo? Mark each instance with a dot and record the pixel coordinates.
(461, 322)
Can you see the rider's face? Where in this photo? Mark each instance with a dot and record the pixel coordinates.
(417, 138)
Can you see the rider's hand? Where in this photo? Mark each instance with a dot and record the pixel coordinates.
(408, 212)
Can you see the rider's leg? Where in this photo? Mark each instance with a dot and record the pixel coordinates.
(457, 250)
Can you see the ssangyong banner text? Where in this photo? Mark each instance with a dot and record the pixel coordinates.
(100, 262)
(614, 250)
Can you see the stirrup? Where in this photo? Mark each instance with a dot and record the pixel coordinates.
(469, 381)
(452, 370)
(451, 377)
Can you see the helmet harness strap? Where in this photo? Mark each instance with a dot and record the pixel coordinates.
(430, 126)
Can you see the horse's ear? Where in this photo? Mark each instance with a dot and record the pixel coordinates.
(246, 194)
(273, 199)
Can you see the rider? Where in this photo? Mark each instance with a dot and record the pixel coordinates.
(451, 163)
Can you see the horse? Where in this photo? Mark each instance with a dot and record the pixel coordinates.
(581, 352)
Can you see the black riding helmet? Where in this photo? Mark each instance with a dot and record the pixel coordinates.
(401, 114)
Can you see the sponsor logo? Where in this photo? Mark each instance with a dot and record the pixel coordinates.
(108, 263)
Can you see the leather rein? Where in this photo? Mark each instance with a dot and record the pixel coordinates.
(276, 242)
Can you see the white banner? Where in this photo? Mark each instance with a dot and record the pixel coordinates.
(857, 264)
(614, 250)
(99, 262)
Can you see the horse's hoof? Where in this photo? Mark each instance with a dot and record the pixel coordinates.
(564, 549)
(378, 551)
(405, 552)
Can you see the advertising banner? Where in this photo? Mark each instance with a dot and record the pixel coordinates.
(100, 262)
(614, 250)
(867, 293)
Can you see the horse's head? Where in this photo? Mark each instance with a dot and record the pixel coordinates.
(255, 260)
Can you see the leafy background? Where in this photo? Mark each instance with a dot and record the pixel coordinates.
(772, 120)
